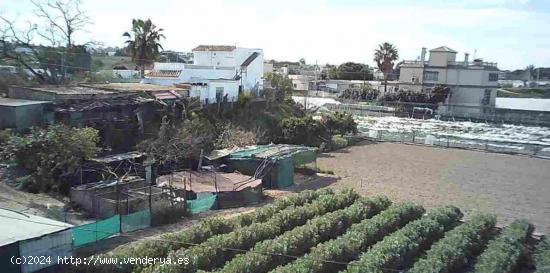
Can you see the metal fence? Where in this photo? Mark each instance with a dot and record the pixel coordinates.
(448, 141)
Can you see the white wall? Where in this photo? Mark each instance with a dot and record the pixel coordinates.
(214, 58)
(441, 58)
(231, 88)
(407, 73)
(471, 96)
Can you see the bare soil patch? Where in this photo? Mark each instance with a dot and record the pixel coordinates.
(511, 186)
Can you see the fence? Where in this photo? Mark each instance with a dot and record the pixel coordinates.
(443, 111)
(448, 141)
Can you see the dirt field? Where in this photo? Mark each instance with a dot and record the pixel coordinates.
(510, 186)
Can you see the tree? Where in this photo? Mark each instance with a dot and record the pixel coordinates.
(51, 154)
(144, 42)
(385, 56)
(179, 143)
(354, 71)
(57, 22)
(530, 69)
(281, 86)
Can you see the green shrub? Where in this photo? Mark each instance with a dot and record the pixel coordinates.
(542, 256)
(339, 123)
(396, 249)
(355, 241)
(49, 154)
(338, 142)
(4, 136)
(219, 249)
(504, 252)
(198, 234)
(457, 247)
(298, 241)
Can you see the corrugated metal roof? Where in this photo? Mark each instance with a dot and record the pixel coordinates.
(164, 73)
(19, 102)
(18, 226)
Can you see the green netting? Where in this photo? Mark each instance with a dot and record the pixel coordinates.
(285, 172)
(304, 156)
(249, 152)
(202, 203)
(135, 221)
(96, 231)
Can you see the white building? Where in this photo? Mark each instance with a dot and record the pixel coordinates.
(471, 83)
(217, 71)
(300, 82)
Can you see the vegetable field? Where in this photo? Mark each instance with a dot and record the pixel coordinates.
(325, 231)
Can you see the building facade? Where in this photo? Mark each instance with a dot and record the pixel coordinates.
(471, 83)
(215, 68)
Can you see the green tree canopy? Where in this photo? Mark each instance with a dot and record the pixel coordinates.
(144, 42)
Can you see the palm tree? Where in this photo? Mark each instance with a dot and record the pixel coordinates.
(385, 56)
(143, 43)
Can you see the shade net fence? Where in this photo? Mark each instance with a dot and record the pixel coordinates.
(449, 141)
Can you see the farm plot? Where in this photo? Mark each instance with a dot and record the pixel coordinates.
(325, 231)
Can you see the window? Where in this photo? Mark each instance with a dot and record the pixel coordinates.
(431, 76)
(493, 77)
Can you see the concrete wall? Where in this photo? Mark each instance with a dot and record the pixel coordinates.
(441, 58)
(472, 96)
(21, 117)
(407, 73)
(7, 117)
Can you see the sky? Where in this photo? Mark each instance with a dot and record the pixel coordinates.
(513, 33)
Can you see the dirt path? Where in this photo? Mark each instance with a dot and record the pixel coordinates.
(511, 186)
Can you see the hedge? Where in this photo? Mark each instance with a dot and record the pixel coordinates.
(198, 234)
(298, 241)
(218, 249)
(396, 249)
(457, 246)
(504, 253)
(360, 236)
(542, 256)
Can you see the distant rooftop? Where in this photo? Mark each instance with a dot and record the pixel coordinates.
(18, 226)
(443, 49)
(19, 102)
(131, 87)
(214, 48)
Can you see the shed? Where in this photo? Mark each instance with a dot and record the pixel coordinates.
(21, 114)
(274, 163)
(25, 235)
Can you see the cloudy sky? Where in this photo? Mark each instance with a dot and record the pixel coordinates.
(513, 33)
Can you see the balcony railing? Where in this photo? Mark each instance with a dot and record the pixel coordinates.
(480, 64)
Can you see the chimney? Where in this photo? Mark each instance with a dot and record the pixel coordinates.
(423, 55)
(466, 57)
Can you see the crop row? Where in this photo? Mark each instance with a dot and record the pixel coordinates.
(357, 240)
(199, 233)
(218, 249)
(457, 246)
(505, 252)
(298, 241)
(542, 256)
(395, 250)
